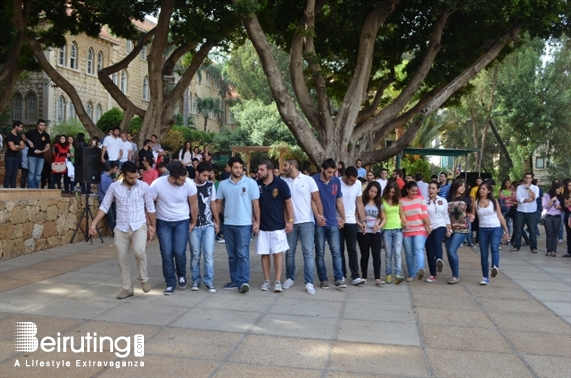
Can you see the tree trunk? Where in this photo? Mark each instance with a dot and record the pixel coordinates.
(502, 144)
(9, 74)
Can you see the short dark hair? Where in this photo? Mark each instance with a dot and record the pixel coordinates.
(328, 163)
(235, 159)
(358, 160)
(161, 165)
(147, 141)
(399, 172)
(444, 173)
(203, 166)
(528, 173)
(156, 137)
(128, 167)
(41, 121)
(294, 162)
(16, 123)
(109, 166)
(419, 177)
(351, 172)
(269, 165)
(194, 159)
(177, 171)
(116, 128)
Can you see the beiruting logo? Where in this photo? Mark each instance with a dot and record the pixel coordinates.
(26, 341)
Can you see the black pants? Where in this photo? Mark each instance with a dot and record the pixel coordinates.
(552, 224)
(348, 234)
(370, 242)
(24, 178)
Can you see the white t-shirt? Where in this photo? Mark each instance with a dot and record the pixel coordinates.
(423, 188)
(383, 184)
(126, 147)
(351, 194)
(301, 189)
(114, 146)
(487, 216)
(172, 200)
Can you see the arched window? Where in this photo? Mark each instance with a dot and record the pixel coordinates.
(99, 61)
(128, 47)
(62, 55)
(90, 61)
(89, 109)
(114, 78)
(17, 106)
(123, 81)
(144, 52)
(208, 83)
(61, 110)
(73, 56)
(31, 107)
(72, 113)
(98, 112)
(146, 88)
(195, 104)
(189, 102)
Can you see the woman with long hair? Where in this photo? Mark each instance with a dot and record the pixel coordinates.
(507, 200)
(61, 152)
(417, 229)
(460, 213)
(71, 143)
(185, 156)
(340, 169)
(565, 199)
(440, 220)
(392, 231)
(491, 224)
(552, 207)
(371, 239)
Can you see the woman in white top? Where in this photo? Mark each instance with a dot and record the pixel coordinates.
(440, 220)
(185, 155)
(490, 234)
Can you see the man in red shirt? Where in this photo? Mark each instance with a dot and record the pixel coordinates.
(397, 176)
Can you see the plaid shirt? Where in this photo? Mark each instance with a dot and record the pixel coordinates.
(131, 204)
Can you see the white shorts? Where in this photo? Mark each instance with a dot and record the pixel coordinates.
(270, 242)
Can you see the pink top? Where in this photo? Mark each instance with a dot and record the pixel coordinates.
(150, 176)
(414, 211)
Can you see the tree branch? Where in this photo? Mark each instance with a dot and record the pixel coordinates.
(178, 53)
(370, 110)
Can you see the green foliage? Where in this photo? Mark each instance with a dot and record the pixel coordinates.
(111, 118)
(173, 140)
(195, 137)
(70, 127)
(287, 152)
(208, 105)
(135, 125)
(228, 137)
(418, 166)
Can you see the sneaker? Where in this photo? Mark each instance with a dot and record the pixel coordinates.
(125, 294)
(169, 290)
(399, 279)
(439, 265)
(534, 251)
(244, 288)
(324, 285)
(379, 283)
(389, 279)
(309, 288)
(146, 286)
(230, 286)
(560, 241)
(195, 286)
(453, 281)
(211, 289)
(430, 279)
(484, 281)
(341, 284)
(288, 283)
(420, 274)
(265, 286)
(277, 287)
(359, 281)
(221, 241)
(495, 271)
(182, 282)
(514, 249)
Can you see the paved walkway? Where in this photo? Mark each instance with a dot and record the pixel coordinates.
(518, 326)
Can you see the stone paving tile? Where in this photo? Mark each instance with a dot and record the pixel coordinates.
(6, 284)
(552, 295)
(379, 312)
(139, 312)
(30, 274)
(112, 330)
(508, 305)
(560, 308)
(198, 344)
(543, 285)
(307, 307)
(464, 338)
(20, 299)
(542, 344)
(232, 370)
(362, 358)
(281, 352)
(62, 264)
(217, 320)
(549, 367)
(235, 301)
(47, 326)
(500, 292)
(468, 364)
(156, 366)
(7, 350)
(461, 301)
(72, 308)
(530, 322)
(344, 374)
(293, 326)
(393, 298)
(393, 333)
(453, 318)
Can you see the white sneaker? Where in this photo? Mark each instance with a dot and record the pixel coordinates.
(278, 287)
(309, 288)
(265, 286)
(359, 281)
(288, 283)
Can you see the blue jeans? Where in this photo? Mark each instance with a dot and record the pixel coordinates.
(172, 241)
(304, 232)
(12, 166)
(434, 248)
(393, 247)
(452, 244)
(111, 216)
(238, 250)
(521, 220)
(509, 223)
(490, 238)
(201, 241)
(332, 235)
(414, 253)
(35, 166)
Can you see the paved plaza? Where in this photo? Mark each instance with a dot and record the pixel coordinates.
(518, 326)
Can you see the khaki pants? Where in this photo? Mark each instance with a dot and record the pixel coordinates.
(123, 241)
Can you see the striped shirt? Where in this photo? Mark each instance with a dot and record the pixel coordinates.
(131, 202)
(414, 211)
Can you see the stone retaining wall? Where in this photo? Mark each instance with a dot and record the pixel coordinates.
(32, 220)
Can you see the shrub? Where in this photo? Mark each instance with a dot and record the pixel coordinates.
(135, 125)
(173, 140)
(70, 127)
(111, 118)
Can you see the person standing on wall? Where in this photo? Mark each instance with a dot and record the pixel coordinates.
(39, 142)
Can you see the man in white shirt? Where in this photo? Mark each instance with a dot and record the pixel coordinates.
(134, 149)
(304, 192)
(383, 179)
(126, 148)
(352, 202)
(526, 195)
(422, 186)
(113, 145)
(175, 197)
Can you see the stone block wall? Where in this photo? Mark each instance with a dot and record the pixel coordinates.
(32, 220)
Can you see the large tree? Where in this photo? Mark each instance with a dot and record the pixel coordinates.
(344, 55)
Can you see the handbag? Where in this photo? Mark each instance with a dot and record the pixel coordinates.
(511, 212)
(58, 167)
(543, 215)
